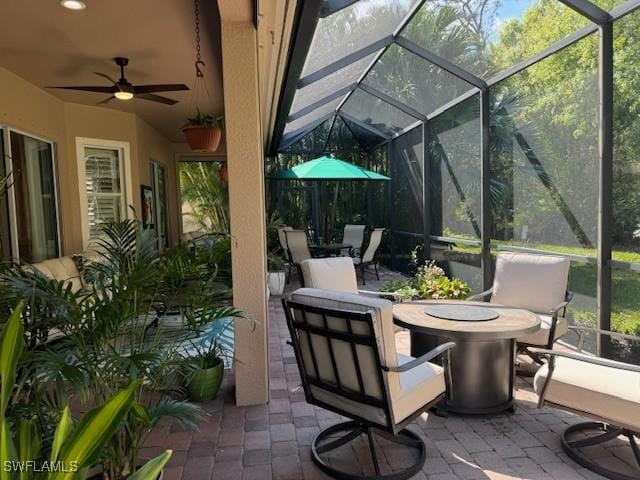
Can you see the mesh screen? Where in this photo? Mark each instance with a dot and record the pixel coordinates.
(353, 28)
(406, 171)
(454, 153)
(414, 81)
(479, 36)
(372, 111)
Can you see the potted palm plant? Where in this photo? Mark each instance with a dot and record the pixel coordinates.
(72, 449)
(276, 274)
(203, 132)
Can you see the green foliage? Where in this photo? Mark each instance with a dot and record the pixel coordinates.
(76, 448)
(205, 120)
(430, 282)
(206, 195)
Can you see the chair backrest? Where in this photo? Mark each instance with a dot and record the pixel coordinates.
(353, 235)
(374, 243)
(341, 342)
(297, 245)
(533, 282)
(282, 238)
(337, 274)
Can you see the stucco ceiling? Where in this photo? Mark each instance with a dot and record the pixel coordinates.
(50, 45)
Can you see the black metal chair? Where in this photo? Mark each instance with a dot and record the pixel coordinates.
(345, 349)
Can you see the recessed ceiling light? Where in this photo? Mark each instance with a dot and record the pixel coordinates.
(73, 4)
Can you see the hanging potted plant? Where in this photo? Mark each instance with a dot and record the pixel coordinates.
(203, 132)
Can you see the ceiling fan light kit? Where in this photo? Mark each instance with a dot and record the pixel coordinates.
(73, 4)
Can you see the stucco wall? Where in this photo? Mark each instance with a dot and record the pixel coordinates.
(27, 108)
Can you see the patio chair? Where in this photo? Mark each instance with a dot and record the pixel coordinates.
(354, 237)
(369, 256)
(345, 349)
(337, 274)
(605, 390)
(537, 283)
(297, 250)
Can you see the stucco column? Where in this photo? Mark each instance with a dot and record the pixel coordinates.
(246, 198)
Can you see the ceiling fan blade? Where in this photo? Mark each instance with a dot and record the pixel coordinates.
(156, 98)
(104, 75)
(169, 87)
(89, 89)
(106, 100)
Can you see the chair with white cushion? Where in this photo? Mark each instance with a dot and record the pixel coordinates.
(345, 349)
(337, 274)
(354, 237)
(369, 255)
(297, 248)
(537, 283)
(604, 390)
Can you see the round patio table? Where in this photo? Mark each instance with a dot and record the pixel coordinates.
(482, 367)
(327, 249)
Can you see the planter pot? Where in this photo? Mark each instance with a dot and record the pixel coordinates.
(224, 173)
(202, 138)
(276, 282)
(205, 384)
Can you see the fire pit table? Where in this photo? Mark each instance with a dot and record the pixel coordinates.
(482, 365)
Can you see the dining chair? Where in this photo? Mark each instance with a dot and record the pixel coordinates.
(354, 237)
(297, 250)
(369, 256)
(604, 390)
(344, 346)
(537, 283)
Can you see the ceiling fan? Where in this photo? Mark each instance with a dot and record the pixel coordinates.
(123, 90)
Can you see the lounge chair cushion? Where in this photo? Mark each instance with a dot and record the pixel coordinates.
(607, 393)
(541, 337)
(418, 386)
(62, 269)
(533, 282)
(336, 274)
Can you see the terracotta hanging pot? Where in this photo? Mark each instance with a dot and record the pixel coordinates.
(202, 138)
(224, 173)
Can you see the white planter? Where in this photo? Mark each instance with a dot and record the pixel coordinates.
(276, 282)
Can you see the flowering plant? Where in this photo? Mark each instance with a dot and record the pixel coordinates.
(430, 282)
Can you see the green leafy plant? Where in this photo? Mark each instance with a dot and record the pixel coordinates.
(205, 120)
(429, 282)
(75, 446)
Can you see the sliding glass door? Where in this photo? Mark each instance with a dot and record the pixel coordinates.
(32, 198)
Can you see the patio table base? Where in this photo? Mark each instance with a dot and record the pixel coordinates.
(482, 373)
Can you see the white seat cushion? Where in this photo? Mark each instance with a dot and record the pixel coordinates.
(541, 337)
(533, 282)
(62, 269)
(418, 386)
(605, 392)
(335, 274)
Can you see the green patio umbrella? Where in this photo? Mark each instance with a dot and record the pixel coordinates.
(328, 168)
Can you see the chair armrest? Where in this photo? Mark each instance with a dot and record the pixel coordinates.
(603, 362)
(388, 295)
(480, 296)
(430, 355)
(562, 305)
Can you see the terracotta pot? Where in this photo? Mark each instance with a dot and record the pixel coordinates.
(202, 138)
(224, 173)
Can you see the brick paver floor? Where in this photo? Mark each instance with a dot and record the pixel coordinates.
(272, 441)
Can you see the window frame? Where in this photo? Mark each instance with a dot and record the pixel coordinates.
(10, 192)
(126, 185)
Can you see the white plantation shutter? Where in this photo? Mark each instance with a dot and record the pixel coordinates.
(104, 188)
